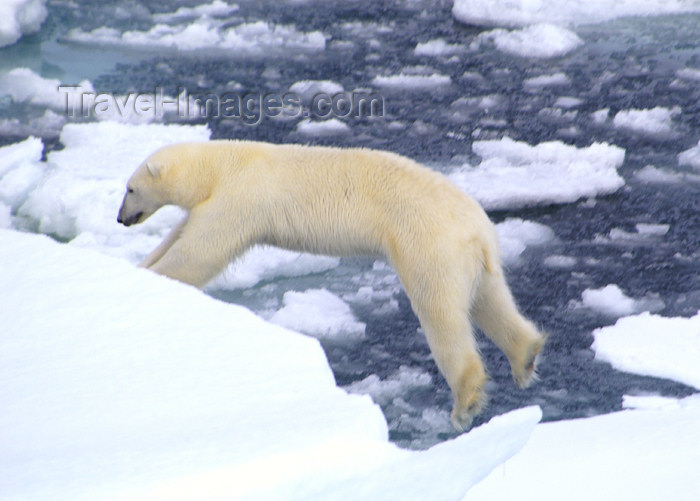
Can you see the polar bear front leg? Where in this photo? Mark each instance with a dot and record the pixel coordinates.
(163, 247)
(202, 251)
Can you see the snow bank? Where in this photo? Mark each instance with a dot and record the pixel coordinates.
(653, 346)
(644, 455)
(655, 122)
(515, 174)
(611, 301)
(18, 17)
(537, 41)
(207, 27)
(511, 13)
(110, 394)
(319, 313)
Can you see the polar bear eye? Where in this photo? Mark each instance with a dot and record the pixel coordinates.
(129, 189)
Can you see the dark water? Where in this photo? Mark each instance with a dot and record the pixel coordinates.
(623, 64)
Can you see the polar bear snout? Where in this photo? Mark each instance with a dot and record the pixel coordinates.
(127, 214)
(128, 221)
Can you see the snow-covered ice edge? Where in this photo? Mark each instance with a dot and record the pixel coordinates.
(117, 383)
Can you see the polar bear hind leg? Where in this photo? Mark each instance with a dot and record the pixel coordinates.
(441, 294)
(495, 312)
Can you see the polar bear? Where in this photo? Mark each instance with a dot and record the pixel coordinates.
(340, 201)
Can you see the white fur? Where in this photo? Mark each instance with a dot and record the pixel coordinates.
(344, 202)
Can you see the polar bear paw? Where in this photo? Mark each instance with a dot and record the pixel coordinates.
(524, 371)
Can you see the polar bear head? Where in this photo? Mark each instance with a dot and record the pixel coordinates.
(145, 193)
(174, 175)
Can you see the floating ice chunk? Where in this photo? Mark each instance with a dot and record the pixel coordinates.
(319, 313)
(264, 263)
(644, 234)
(652, 122)
(511, 13)
(24, 85)
(650, 402)
(515, 235)
(654, 175)
(18, 17)
(652, 346)
(691, 74)
(307, 89)
(558, 261)
(537, 41)
(553, 80)
(611, 301)
(601, 116)
(206, 33)
(324, 128)
(691, 157)
(652, 230)
(218, 8)
(399, 384)
(438, 47)
(516, 174)
(568, 102)
(412, 82)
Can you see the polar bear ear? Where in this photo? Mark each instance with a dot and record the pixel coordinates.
(154, 169)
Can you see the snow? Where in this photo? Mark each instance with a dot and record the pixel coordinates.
(515, 235)
(540, 41)
(412, 82)
(644, 455)
(205, 28)
(18, 17)
(515, 174)
(319, 313)
(512, 13)
(652, 345)
(323, 128)
(655, 122)
(120, 384)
